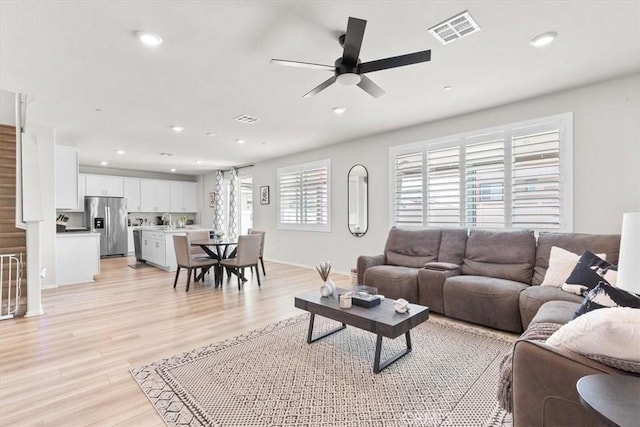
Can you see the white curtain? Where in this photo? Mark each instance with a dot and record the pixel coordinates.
(218, 202)
(234, 212)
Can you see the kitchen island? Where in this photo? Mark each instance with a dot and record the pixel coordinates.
(157, 245)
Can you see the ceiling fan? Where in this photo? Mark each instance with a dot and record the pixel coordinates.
(348, 70)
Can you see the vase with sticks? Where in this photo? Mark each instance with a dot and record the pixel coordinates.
(328, 287)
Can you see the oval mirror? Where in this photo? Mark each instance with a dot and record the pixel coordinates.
(358, 200)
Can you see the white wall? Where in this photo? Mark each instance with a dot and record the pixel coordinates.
(606, 143)
(45, 138)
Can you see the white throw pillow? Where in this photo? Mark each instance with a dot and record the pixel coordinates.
(611, 332)
(561, 265)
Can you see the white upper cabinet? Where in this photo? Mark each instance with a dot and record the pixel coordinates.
(183, 196)
(66, 159)
(155, 195)
(103, 185)
(132, 194)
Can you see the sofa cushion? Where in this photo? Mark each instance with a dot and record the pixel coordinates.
(412, 248)
(452, 245)
(505, 255)
(608, 244)
(558, 312)
(394, 281)
(532, 298)
(485, 300)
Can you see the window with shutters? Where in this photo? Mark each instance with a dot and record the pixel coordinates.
(514, 176)
(304, 197)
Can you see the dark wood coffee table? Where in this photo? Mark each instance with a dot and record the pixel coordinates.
(381, 320)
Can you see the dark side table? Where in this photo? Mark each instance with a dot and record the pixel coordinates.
(614, 398)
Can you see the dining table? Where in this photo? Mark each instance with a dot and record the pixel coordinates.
(218, 249)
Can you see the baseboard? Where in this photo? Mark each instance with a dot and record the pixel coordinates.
(305, 266)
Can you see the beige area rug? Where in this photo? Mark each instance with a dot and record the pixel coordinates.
(272, 377)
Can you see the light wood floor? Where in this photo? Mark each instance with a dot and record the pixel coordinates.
(71, 365)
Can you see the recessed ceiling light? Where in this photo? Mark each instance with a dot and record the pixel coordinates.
(211, 134)
(339, 110)
(172, 170)
(241, 141)
(177, 129)
(447, 88)
(149, 39)
(121, 152)
(104, 163)
(543, 39)
(198, 162)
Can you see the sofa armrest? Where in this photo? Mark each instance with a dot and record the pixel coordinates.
(365, 262)
(441, 266)
(544, 385)
(430, 284)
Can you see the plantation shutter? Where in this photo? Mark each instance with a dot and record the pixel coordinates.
(290, 190)
(484, 181)
(314, 192)
(443, 186)
(304, 196)
(408, 189)
(536, 178)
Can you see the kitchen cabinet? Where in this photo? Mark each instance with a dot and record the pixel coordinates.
(154, 248)
(81, 194)
(155, 195)
(77, 257)
(104, 185)
(183, 196)
(66, 173)
(132, 194)
(130, 243)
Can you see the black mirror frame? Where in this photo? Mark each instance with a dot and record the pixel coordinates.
(362, 233)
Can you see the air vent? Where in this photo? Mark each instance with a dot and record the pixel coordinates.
(246, 119)
(454, 28)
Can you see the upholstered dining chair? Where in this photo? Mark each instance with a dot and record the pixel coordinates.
(191, 263)
(262, 234)
(198, 235)
(247, 255)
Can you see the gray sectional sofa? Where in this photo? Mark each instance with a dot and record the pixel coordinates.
(486, 277)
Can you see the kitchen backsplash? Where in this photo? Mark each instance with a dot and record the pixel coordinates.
(76, 219)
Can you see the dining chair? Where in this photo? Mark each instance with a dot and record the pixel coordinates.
(184, 259)
(198, 235)
(262, 234)
(247, 255)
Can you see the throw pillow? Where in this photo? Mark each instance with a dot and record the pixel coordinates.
(610, 336)
(604, 295)
(590, 270)
(561, 264)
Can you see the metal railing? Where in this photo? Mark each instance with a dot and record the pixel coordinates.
(10, 279)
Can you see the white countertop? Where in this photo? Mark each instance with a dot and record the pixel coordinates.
(68, 234)
(166, 229)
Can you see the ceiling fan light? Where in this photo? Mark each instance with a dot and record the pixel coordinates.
(348, 79)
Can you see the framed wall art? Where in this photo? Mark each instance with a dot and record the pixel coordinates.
(264, 195)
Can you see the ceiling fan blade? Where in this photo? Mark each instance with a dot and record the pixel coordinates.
(370, 87)
(353, 41)
(303, 65)
(322, 86)
(396, 61)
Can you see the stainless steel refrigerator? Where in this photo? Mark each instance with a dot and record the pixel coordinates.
(108, 216)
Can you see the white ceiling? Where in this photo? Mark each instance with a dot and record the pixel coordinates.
(73, 57)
